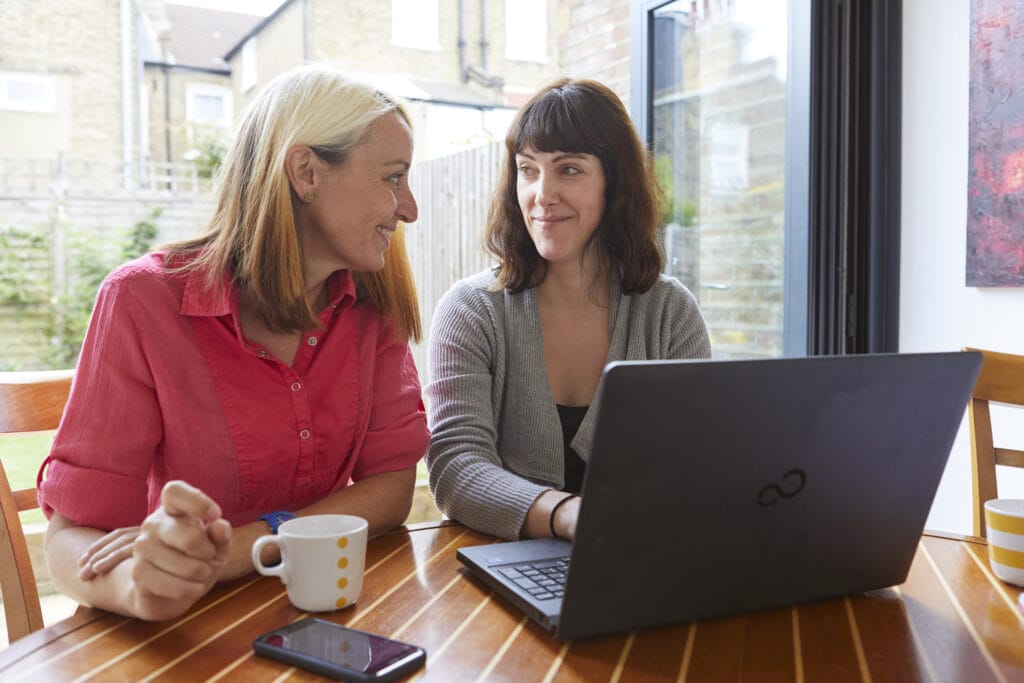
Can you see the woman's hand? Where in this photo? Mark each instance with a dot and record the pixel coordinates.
(179, 553)
(550, 512)
(107, 552)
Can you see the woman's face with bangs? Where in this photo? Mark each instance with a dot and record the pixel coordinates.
(561, 196)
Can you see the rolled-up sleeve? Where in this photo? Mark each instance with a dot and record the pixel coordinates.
(397, 434)
(96, 472)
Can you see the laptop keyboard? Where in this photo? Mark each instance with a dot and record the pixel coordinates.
(543, 580)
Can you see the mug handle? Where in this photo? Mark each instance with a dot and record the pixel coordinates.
(276, 570)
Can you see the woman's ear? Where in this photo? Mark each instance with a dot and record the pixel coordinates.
(304, 169)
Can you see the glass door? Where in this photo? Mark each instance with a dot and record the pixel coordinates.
(717, 118)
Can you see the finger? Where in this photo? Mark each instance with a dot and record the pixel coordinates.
(219, 532)
(153, 581)
(173, 562)
(181, 499)
(110, 558)
(114, 537)
(186, 535)
(112, 542)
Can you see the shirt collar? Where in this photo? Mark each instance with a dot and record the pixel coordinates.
(201, 300)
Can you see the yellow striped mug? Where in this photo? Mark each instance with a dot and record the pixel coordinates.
(1004, 518)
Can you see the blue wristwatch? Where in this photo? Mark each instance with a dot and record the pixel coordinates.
(276, 519)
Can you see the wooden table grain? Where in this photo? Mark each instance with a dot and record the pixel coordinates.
(951, 621)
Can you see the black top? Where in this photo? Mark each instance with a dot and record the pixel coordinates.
(571, 418)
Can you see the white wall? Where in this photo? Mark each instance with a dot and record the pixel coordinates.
(937, 311)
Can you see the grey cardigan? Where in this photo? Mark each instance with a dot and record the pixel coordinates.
(496, 440)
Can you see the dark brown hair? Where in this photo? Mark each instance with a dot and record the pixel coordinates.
(581, 117)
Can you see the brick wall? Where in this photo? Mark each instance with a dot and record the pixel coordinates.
(79, 45)
(595, 42)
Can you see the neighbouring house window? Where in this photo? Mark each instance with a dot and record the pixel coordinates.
(415, 24)
(250, 75)
(526, 30)
(208, 105)
(28, 92)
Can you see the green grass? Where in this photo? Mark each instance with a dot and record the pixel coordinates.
(22, 454)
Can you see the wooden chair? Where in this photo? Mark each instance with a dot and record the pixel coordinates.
(1001, 380)
(29, 402)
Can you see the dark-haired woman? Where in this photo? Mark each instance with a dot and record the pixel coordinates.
(516, 353)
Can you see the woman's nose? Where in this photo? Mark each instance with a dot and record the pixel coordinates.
(546, 190)
(407, 210)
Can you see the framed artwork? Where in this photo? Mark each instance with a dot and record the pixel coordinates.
(995, 181)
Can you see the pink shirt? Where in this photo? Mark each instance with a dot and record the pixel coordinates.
(167, 388)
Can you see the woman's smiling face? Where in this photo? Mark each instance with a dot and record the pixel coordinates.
(360, 202)
(561, 196)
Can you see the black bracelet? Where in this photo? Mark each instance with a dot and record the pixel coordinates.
(551, 519)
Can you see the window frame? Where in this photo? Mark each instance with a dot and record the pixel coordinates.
(45, 105)
(841, 282)
(420, 40)
(192, 90)
(512, 37)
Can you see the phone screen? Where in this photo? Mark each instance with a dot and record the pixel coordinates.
(340, 646)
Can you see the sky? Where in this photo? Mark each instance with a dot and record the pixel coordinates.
(261, 7)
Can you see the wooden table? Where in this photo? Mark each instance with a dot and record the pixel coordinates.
(951, 621)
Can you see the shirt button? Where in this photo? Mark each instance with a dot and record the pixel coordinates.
(304, 433)
(296, 386)
(311, 341)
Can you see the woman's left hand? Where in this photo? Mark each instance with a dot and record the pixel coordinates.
(107, 552)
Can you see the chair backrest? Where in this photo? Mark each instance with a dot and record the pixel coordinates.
(1001, 380)
(29, 402)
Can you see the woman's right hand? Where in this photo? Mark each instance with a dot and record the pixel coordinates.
(179, 553)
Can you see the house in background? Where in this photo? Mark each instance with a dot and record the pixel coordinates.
(186, 90)
(106, 95)
(464, 65)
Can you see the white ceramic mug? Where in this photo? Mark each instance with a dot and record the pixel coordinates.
(322, 560)
(1004, 518)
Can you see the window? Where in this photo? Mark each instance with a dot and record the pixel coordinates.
(208, 105)
(250, 74)
(718, 133)
(526, 30)
(775, 130)
(415, 24)
(28, 92)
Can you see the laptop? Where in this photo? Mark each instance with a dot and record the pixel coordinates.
(722, 487)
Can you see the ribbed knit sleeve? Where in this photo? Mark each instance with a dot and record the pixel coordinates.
(467, 357)
(496, 440)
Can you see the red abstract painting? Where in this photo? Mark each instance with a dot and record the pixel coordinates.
(995, 199)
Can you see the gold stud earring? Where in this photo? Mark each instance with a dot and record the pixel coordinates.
(308, 199)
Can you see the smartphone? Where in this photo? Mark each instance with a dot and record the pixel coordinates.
(342, 653)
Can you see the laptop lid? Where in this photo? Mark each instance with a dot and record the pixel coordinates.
(719, 487)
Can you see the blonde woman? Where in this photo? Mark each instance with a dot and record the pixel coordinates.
(257, 372)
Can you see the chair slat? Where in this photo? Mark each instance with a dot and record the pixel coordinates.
(29, 402)
(1001, 380)
(1009, 457)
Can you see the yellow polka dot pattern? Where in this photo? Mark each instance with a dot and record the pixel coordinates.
(342, 564)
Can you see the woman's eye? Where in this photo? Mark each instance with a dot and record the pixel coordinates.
(396, 179)
(525, 170)
(570, 170)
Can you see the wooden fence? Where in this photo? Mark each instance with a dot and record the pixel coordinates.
(445, 244)
(50, 202)
(739, 254)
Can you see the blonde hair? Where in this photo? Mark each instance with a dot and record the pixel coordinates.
(252, 233)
